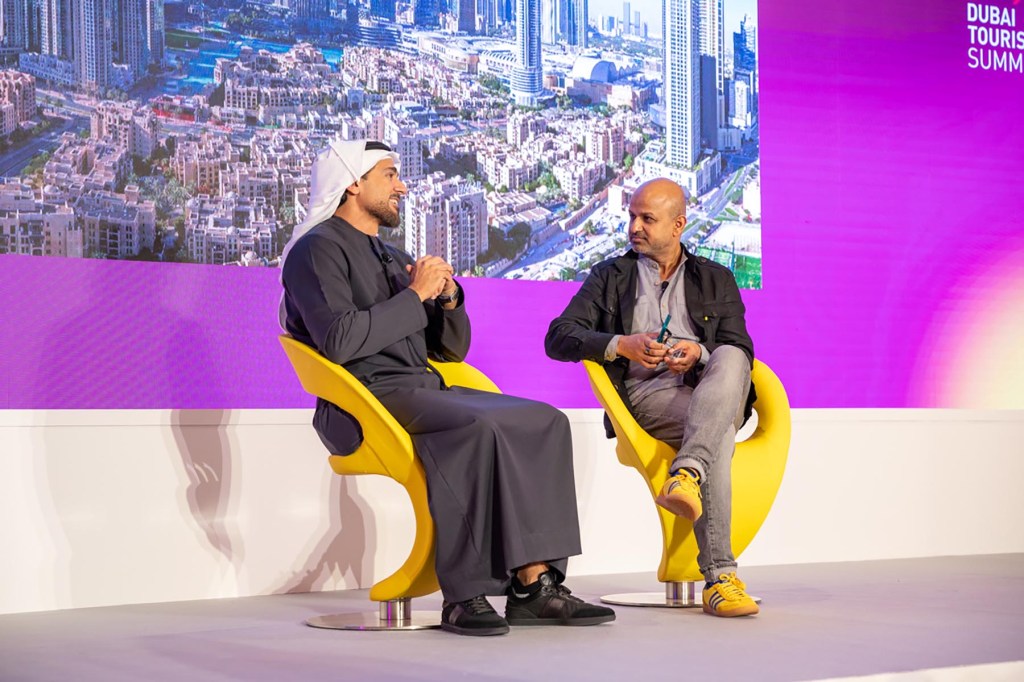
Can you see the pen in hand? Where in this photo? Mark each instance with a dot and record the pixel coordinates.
(664, 329)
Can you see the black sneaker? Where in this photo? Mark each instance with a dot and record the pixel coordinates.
(474, 616)
(548, 603)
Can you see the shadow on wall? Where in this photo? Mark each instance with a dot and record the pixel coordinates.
(107, 508)
(347, 546)
(202, 442)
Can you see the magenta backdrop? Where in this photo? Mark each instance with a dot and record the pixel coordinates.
(891, 176)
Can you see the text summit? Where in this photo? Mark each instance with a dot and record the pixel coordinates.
(991, 14)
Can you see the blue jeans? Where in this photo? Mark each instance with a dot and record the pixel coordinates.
(701, 424)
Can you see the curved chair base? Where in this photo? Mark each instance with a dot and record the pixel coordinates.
(677, 595)
(394, 615)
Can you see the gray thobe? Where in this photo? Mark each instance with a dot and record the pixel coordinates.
(499, 469)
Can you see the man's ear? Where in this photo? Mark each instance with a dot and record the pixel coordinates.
(680, 223)
(353, 188)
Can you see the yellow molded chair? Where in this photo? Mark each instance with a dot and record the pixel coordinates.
(756, 475)
(386, 450)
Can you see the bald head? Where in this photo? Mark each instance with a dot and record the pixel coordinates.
(665, 194)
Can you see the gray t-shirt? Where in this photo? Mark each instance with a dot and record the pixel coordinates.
(656, 300)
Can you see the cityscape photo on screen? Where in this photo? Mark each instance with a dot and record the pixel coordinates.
(184, 131)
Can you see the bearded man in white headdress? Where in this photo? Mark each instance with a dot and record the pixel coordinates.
(499, 468)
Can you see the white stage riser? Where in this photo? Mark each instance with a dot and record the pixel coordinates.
(119, 507)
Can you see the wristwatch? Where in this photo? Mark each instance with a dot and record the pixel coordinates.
(442, 298)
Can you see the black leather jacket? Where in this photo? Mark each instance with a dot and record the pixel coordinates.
(603, 307)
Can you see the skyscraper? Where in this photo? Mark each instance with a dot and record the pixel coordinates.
(681, 87)
(548, 21)
(627, 19)
(129, 28)
(383, 9)
(712, 36)
(465, 12)
(527, 74)
(33, 24)
(576, 22)
(744, 46)
(487, 13)
(744, 49)
(13, 25)
(155, 35)
(424, 13)
(56, 21)
(93, 43)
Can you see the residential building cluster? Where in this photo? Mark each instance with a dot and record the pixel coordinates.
(222, 230)
(80, 166)
(96, 223)
(127, 125)
(17, 100)
(264, 84)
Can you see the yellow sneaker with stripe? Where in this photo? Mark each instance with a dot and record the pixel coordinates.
(728, 598)
(681, 496)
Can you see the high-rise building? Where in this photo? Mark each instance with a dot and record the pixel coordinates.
(681, 86)
(129, 30)
(737, 103)
(56, 29)
(712, 37)
(710, 117)
(155, 34)
(465, 13)
(527, 74)
(13, 25)
(576, 18)
(383, 9)
(33, 24)
(506, 11)
(425, 13)
(487, 15)
(93, 43)
(627, 19)
(744, 45)
(405, 138)
(549, 21)
(447, 217)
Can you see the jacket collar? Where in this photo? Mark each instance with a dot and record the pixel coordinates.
(625, 286)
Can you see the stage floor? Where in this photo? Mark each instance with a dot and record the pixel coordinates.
(817, 622)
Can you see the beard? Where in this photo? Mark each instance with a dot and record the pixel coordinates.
(385, 214)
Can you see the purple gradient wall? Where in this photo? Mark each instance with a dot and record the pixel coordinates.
(892, 208)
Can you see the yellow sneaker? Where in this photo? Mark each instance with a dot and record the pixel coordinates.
(681, 496)
(728, 598)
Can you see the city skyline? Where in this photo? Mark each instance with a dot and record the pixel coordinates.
(521, 156)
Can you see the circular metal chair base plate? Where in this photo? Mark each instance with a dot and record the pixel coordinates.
(421, 620)
(657, 599)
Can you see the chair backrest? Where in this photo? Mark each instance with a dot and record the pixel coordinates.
(389, 451)
(386, 450)
(757, 469)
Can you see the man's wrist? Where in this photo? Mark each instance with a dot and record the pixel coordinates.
(611, 351)
(451, 297)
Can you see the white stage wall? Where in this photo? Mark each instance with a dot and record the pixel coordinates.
(116, 507)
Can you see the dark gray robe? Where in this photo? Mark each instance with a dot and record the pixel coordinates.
(499, 468)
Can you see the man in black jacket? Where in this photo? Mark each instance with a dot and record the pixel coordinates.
(669, 328)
